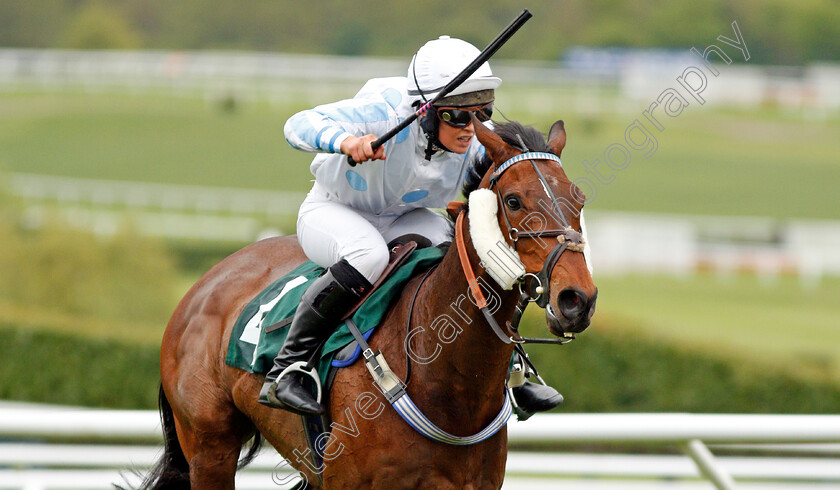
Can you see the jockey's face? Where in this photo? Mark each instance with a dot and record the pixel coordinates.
(456, 139)
(455, 128)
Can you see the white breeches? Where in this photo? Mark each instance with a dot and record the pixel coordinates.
(329, 231)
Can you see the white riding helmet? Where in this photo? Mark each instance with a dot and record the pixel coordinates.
(439, 61)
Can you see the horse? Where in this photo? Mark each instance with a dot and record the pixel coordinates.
(456, 375)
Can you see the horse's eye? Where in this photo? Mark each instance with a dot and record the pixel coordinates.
(512, 202)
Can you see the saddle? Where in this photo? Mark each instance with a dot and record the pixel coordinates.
(399, 251)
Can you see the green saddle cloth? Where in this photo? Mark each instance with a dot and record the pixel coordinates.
(253, 349)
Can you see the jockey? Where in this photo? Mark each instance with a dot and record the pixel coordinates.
(352, 213)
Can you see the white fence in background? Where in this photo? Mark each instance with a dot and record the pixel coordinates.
(244, 75)
(680, 244)
(621, 242)
(197, 69)
(173, 211)
(815, 88)
(34, 454)
(265, 75)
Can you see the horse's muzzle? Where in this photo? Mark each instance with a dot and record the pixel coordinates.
(575, 311)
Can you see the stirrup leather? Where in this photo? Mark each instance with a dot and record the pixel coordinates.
(521, 370)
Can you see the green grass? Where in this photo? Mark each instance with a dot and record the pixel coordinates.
(613, 370)
(709, 161)
(148, 138)
(45, 318)
(43, 366)
(775, 323)
(718, 161)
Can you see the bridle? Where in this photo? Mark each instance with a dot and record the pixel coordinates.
(568, 238)
(534, 286)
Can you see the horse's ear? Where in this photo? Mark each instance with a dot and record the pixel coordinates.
(498, 150)
(557, 137)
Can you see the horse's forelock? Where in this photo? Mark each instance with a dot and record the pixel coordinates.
(511, 133)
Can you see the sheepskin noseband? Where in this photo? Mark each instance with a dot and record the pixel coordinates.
(498, 258)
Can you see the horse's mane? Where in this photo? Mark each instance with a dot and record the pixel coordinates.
(531, 138)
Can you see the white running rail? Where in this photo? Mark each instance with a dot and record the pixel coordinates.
(36, 452)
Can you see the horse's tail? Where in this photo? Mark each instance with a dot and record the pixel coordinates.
(172, 471)
(253, 451)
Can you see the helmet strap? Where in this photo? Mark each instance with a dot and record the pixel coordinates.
(430, 150)
(429, 124)
(435, 146)
(414, 74)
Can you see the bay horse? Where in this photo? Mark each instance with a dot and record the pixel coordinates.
(209, 409)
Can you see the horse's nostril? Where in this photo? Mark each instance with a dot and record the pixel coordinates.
(572, 303)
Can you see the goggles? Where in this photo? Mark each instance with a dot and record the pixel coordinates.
(459, 117)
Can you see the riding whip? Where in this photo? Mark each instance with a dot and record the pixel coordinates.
(485, 55)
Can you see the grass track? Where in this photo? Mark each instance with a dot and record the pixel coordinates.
(144, 138)
(778, 323)
(709, 161)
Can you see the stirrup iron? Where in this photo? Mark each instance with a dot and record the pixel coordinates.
(300, 366)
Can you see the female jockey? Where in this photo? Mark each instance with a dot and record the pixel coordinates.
(352, 213)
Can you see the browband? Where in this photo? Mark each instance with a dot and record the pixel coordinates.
(531, 155)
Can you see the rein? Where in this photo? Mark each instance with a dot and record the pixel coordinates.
(475, 289)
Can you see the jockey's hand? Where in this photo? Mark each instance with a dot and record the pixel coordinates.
(359, 149)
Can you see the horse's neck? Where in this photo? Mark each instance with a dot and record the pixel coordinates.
(467, 375)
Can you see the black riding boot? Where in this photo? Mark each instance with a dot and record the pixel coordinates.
(531, 397)
(327, 300)
(535, 397)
